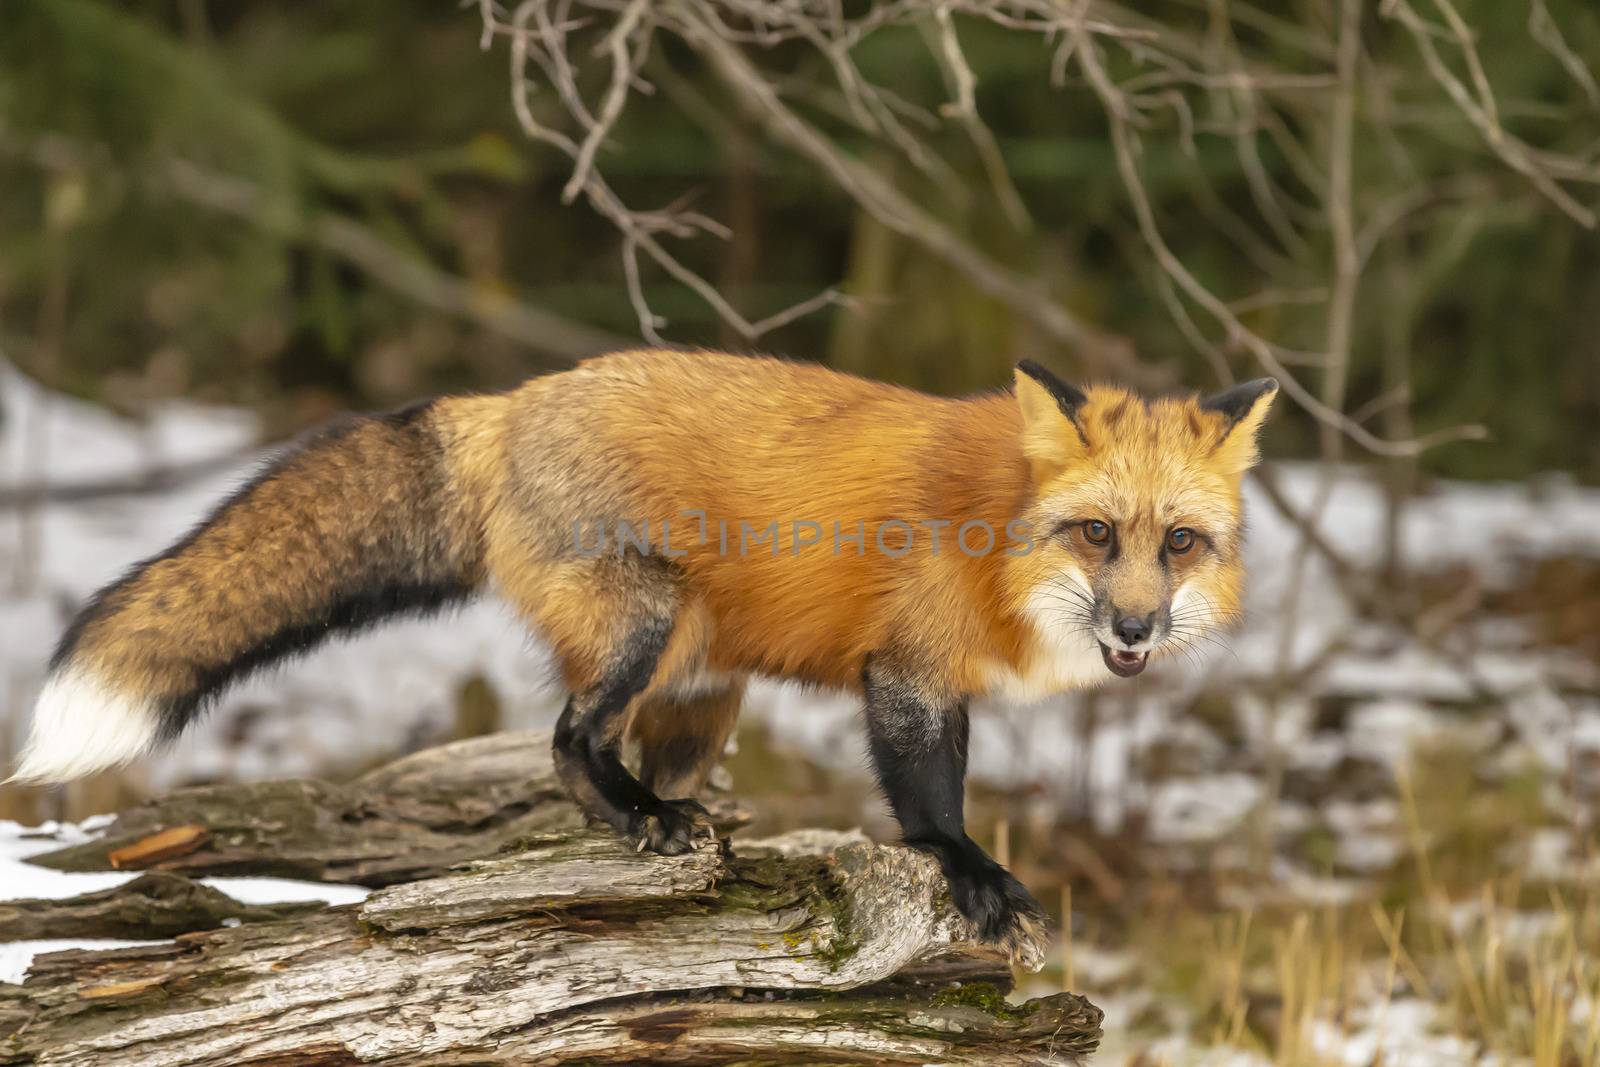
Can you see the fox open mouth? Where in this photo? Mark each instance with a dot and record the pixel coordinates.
(1124, 664)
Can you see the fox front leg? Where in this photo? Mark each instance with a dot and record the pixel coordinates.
(919, 750)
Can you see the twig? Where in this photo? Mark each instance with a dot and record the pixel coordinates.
(546, 47)
(965, 107)
(1346, 275)
(1543, 29)
(624, 68)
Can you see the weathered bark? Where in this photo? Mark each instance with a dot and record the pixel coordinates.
(713, 1030)
(565, 947)
(152, 905)
(411, 819)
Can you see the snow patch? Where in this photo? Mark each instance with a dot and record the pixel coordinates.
(20, 880)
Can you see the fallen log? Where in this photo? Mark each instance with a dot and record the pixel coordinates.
(560, 945)
(152, 905)
(414, 818)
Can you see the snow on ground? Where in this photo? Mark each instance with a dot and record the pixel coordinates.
(17, 956)
(19, 880)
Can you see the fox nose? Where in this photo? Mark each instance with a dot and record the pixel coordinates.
(1132, 630)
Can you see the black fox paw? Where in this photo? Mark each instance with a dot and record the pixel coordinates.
(670, 829)
(1001, 911)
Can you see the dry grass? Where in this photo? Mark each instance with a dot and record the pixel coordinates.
(1509, 967)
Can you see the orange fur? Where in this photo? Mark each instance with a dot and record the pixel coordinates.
(417, 509)
(655, 437)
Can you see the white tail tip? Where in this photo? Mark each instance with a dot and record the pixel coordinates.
(81, 726)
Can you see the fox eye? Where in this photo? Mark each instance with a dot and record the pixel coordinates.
(1180, 540)
(1096, 532)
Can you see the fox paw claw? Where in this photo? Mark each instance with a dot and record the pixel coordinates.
(1026, 940)
(671, 829)
(1002, 913)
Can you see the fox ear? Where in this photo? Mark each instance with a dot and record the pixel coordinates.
(1051, 436)
(1242, 410)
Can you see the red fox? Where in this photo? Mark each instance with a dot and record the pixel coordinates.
(673, 523)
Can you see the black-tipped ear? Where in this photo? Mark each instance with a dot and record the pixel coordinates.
(1051, 436)
(1068, 399)
(1234, 404)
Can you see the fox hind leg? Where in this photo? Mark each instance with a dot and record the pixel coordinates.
(681, 737)
(587, 757)
(612, 640)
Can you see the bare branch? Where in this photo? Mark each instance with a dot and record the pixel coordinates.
(624, 68)
(1341, 220)
(1237, 332)
(894, 210)
(965, 107)
(546, 48)
(1484, 116)
(1543, 28)
(1188, 85)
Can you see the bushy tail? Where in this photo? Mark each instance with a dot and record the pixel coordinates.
(357, 522)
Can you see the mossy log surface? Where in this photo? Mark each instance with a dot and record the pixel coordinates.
(559, 945)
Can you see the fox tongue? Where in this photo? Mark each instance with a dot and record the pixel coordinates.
(1124, 664)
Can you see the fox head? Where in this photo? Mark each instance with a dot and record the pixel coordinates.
(1135, 515)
